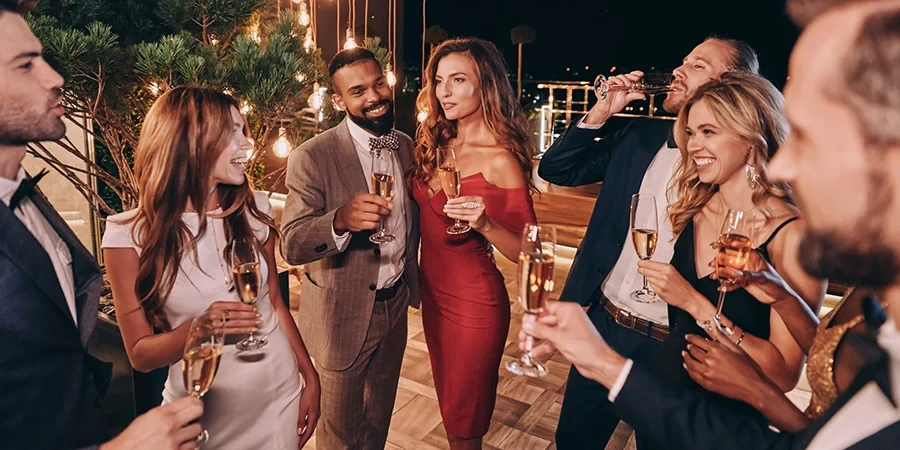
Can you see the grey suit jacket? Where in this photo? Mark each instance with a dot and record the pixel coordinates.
(338, 292)
(50, 387)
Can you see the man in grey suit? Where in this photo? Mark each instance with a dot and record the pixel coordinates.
(355, 293)
(50, 387)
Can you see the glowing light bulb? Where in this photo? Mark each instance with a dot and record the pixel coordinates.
(213, 40)
(254, 33)
(282, 145)
(154, 88)
(304, 13)
(245, 108)
(300, 77)
(391, 78)
(227, 91)
(351, 43)
(316, 98)
(422, 115)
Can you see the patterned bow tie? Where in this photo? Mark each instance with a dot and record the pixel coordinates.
(25, 189)
(670, 139)
(389, 141)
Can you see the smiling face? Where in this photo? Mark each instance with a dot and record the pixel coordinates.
(361, 89)
(457, 87)
(707, 61)
(30, 93)
(232, 161)
(719, 153)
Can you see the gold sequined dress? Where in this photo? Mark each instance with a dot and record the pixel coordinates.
(820, 366)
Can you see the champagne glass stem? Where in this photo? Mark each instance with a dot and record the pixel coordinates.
(721, 301)
(383, 231)
(646, 287)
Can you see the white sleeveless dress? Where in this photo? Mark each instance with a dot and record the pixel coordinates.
(254, 400)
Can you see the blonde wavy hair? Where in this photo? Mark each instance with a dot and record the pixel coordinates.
(498, 104)
(181, 139)
(749, 106)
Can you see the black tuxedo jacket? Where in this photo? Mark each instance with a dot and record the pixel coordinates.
(49, 385)
(620, 161)
(690, 421)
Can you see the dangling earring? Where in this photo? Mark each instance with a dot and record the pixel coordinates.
(752, 176)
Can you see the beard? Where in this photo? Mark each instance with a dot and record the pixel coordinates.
(858, 256)
(20, 125)
(381, 125)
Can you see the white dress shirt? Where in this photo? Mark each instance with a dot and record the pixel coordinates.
(394, 252)
(624, 278)
(44, 233)
(869, 410)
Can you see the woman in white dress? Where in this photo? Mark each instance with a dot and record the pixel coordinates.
(166, 262)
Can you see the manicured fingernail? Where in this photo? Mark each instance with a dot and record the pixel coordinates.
(684, 365)
(689, 346)
(683, 353)
(259, 322)
(258, 315)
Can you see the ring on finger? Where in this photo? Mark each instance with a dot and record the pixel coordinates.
(226, 315)
(471, 205)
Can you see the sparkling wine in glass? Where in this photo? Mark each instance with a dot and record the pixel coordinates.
(535, 282)
(200, 361)
(644, 236)
(383, 186)
(650, 84)
(247, 281)
(448, 172)
(734, 249)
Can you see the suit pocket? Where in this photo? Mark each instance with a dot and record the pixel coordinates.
(309, 278)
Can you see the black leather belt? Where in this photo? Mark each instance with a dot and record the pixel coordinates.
(388, 292)
(628, 320)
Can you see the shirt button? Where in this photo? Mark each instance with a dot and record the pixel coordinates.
(372, 287)
(620, 243)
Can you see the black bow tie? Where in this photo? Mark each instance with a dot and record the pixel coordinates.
(670, 139)
(25, 189)
(389, 141)
(877, 360)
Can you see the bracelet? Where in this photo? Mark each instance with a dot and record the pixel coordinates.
(738, 343)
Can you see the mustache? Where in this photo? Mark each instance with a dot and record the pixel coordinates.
(377, 105)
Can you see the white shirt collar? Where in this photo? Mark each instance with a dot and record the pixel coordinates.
(359, 135)
(8, 187)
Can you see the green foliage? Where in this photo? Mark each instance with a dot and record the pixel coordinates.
(118, 56)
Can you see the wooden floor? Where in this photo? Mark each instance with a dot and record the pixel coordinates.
(527, 409)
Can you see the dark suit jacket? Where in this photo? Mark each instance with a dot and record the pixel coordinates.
(619, 161)
(49, 385)
(689, 420)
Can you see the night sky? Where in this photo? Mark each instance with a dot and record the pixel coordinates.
(602, 33)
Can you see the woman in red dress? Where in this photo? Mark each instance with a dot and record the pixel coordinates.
(465, 307)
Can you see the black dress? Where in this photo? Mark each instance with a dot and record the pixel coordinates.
(740, 307)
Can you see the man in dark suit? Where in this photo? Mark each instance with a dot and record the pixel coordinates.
(843, 159)
(50, 387)
(638, 159)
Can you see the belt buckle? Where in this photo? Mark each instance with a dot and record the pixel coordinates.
(623, 314)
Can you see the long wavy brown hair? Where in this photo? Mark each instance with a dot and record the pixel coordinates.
(751, 107)
(498, 105)
(181, 139)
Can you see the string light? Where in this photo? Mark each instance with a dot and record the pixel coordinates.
(154, 88)
(227, 91)
(422, 115)
(282, 145)
(300, 77)
(391, 78)
(213, 39)
(304, 13)
(351, 43)
(254, 33)
(246, 108)
(309, 44)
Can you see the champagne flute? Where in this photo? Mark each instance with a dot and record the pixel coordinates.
(650, 84)
(535, 282)
(734, 250)
(383, 185)
(200, 361)
(247, 281)
(644, 235)
(448, 172)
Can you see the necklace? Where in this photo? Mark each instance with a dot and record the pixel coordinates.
(229, 284)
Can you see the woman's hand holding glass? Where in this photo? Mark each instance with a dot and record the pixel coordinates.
(239, 318)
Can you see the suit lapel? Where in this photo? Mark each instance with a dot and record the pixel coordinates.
(644, 154)
(406, 161)
(348, 160)
(24, 250)
(86, 273)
